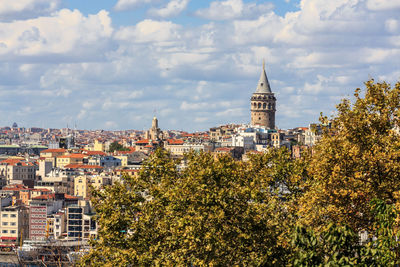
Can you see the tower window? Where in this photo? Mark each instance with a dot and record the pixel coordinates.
(262, 84)
(264, 105)
(259, 118)
(259, 105)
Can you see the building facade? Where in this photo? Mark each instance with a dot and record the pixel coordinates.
(263, 103)
(14, 224)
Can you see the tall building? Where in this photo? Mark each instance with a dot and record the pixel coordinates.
(263, 103)
(154, 133)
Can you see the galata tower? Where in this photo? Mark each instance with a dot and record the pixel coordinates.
(263, 103)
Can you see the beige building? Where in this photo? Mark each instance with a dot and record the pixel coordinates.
(56, 225)
(62, 161)
(52, 154)
(82, 183)
(180, 149)
(154, 133)
(99, 146)
(123, 158)
(14, 170)
(14, 224)
(263, 103)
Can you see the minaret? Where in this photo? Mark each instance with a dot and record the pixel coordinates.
(263, 103)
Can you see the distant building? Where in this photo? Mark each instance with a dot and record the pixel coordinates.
(40, 208)
(80, 223)
(18, 171)
(154, 133)
(14, 224)
(263, 103)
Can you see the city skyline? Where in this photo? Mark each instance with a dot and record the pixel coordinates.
(110, 64)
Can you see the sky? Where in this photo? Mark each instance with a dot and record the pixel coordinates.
(114, 64)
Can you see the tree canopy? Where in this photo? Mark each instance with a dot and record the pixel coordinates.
(216, 211)
(356, 160)
(272, 210)
(115, 146)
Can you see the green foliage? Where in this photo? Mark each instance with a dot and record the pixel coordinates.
(337, 246)
(341, 246)
(383, 249)
(356, 160)
(271, 210)
(115, 146)
(216, 211)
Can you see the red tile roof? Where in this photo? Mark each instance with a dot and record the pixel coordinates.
(54, 150)
(175, 142)
(144, 141)
(14, 162)
(69, 197)
(14, 187)
(82, 166)
(94, 153)
(41, 190)
(71, 156)
(47, 196)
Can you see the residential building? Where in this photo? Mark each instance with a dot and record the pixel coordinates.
(80, 223)
(18, 171)
(40, 208)
(14, 224)
(62, 161)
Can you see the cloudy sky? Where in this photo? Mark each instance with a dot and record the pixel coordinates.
(113, 64)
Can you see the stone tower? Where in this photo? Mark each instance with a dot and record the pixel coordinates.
(263, 103)
(154, 133)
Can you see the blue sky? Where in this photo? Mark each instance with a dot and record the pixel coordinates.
(194, 64)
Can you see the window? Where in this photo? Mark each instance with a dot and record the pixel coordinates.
(13, 231)
(4, 231)
(4, 215)
(13, 223)
(5, 223)
(13, 215)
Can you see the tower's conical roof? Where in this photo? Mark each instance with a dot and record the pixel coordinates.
(263, 84)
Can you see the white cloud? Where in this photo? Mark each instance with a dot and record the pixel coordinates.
(173, 8)
(233, 9)
(383, 4)
(24, 9)
(149, 31)
(392, 25)
(129, 4)
(80, 36)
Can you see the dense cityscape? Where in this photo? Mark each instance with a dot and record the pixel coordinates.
(47, 174)
(148, 133)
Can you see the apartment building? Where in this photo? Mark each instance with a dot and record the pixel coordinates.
(14, 225)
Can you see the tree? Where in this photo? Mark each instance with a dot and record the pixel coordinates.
(115, 146)
(339, 245)
(355, 161)
(216, 211)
